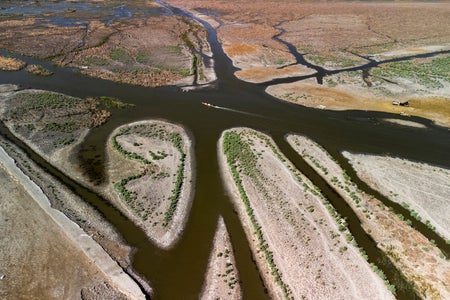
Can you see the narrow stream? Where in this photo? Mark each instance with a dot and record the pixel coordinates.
(178, 273)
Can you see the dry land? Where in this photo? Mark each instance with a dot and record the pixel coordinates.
(420, 261)
(421, 188)
(221, 278)
(49, 121)
(338, 36)
(53, 124)
(332, 35)
(46, 256)
(150, 172)
(301, 244)
(142, 43)
(423, 83)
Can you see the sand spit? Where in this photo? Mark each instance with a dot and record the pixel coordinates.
(300, 243)
(405, 123)
(150, 172)
(222, 278)
(99, 264)
(421, 188)
(421, 262)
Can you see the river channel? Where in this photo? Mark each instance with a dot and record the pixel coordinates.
(178, 273)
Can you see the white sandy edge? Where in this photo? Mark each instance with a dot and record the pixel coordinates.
(410, 51)
(423, 187)
(214, 287)
(118, 278)
(405, 123)
(180, 217)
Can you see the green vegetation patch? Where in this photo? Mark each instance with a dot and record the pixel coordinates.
(112, 102)
(239, 153)
(121, 55)
(142, 57)
(95, 61)
(429, 73)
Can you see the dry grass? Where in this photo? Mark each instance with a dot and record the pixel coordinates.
(11, 64)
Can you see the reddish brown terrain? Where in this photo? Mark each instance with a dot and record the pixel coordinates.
(335, 36)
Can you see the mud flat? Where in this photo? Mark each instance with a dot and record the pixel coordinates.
(418, 259)
(221, 278)
(301, 244)
(150, 172)
(421, 188)
(46, 255)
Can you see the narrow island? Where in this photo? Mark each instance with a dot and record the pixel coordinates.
(422, 189)
(300, 243)
(419, 259)
(222, 276)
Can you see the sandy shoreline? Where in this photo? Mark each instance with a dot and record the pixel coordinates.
(295, 235)
(413, 254)
(419, 187)
(90, 248)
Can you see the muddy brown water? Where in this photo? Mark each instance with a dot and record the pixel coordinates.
(178, 273)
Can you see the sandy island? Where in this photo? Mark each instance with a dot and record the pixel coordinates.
(222, 277)
(150, 177)
(421, 188)
(301, 245)
(420, 261)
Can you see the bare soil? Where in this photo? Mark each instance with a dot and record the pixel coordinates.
(44, 255)
(329, 33)
(349, 92)
(420, 261)
(50, 121)
(334, 35)
(222, 277)
(151, 47)
(423, 188)
(304, 240)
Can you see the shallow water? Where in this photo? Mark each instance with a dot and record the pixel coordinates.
(178, 273)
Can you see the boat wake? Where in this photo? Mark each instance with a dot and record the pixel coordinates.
(232, 110)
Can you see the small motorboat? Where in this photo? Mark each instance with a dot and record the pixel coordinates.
(207, 104)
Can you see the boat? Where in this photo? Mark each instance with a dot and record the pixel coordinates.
(207, 104)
